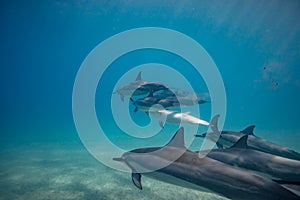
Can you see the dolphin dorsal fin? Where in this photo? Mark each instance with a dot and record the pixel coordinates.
(248, 130)
(139, 77)
(178, 139)
(241, 143)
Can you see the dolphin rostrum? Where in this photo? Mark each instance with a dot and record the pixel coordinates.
(185, 168)
(228, 138)
(241, 156)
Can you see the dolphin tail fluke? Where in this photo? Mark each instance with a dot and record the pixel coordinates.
(136, 179)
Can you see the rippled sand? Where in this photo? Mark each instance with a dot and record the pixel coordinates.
(68, 171)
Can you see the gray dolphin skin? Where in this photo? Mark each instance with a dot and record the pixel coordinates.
(180, 98)
(271, 165)
(139, 87)
(172, 101)
(205, 174)
(228, 138)
(144, 104)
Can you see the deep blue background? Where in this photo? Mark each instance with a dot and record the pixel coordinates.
(43, 44)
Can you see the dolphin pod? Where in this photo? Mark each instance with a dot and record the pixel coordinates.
(243, 167)
(228, 138)
(201, 173)
(163, 97)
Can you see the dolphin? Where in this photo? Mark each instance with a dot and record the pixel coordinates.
(183, 101)
(180, 98)
(139, 87)
(171, 101)
(271, 165)
(185, 168)
(228, 138)
(174, 117)
(144, 104)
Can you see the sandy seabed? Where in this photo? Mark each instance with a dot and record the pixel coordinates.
(68, 171)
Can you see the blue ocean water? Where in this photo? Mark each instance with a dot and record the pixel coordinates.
(254, 44)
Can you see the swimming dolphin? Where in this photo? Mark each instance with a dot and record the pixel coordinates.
(228, 138)
(186, 169)
(171, 101)
(241, 156)
(174, 117)
(180, 98)
(144, 104)
(139, 87)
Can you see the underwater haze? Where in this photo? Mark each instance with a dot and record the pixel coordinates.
(254, 44)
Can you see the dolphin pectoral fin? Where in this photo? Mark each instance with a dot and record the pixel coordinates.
(136, 179)
(201, 135)
(248, 130)
(132, 101)
(122, 98)
(220, 146)
(202, 101)
(161, 124)
(150, 94)
(241, 143)
(178, 139)
(139, 77)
